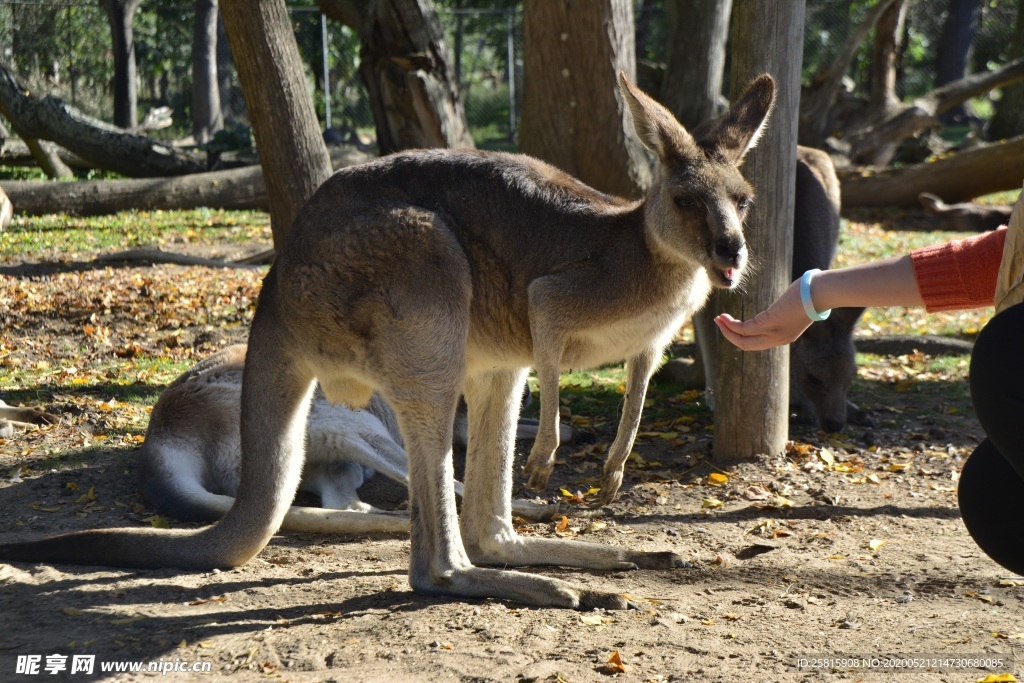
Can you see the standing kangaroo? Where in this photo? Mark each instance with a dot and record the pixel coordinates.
(428, 274)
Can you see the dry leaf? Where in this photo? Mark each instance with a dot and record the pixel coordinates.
(614, 665)
(827, 457)
(563, 524)
(717, 479)
(874, 544)
(708, 503)
(998, 678)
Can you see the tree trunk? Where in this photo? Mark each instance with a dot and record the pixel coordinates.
(875, 144)
(292, 152)
(692, 87)
(99, 143)
(119, 15)
(817, 100)
(1008, 119)
(572, 115)
(752, 403)
(230, 108)
(954, 47)
(885, 55)
(955, 178)
(206, 114)
(405, 67)
(238, 188)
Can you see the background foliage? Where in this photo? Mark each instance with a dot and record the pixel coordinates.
(63, 48)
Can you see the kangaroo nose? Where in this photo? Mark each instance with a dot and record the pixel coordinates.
(730, 250)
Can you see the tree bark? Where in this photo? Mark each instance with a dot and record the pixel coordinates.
(955, 178)
(99, 143)
(954, 47)
(875, 144)
(818, 98)
(406, 69)
(120, 14)
(292, 152)
(692, 87)
(572, 115)
(752, 402)
(1008, 119)
(206, 114)
(239, 188)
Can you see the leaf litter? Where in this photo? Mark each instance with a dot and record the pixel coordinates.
(97, 345)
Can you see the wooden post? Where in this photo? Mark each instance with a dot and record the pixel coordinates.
(752, 402)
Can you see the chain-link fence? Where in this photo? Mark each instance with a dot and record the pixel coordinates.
(62, 47)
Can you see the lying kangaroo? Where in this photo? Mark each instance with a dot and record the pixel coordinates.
(822, 363)
(10, 417)
(188, 465)
(430, 274)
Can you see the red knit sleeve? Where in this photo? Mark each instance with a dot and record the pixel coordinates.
(959, 274)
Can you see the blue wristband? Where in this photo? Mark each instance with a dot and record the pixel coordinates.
(805, 297)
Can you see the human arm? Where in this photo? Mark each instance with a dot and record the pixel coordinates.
(954, 275)
(880, 283)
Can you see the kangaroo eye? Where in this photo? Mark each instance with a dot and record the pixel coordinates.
(687, 201)
(743, 204)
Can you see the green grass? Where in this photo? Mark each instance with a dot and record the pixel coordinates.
(62, 237)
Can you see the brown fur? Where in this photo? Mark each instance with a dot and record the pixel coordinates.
(426, 274)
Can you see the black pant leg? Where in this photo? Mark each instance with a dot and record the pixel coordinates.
(991, 489)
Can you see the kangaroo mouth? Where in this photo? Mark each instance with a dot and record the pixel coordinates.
(727, 278)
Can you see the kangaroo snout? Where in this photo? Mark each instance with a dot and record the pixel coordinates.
(730, 256)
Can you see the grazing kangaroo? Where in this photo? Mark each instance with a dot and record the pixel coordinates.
(822, 363)
(188, 465)
(965, 216)
(430, 274)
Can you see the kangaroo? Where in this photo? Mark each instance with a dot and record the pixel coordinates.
(188, 465)
(822, 363)
(429, 274)
(965, 216)
(10, 417)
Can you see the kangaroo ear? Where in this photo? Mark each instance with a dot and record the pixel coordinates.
(654, 124)
(741, 127)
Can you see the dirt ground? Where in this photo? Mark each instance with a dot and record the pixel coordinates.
(847, 546)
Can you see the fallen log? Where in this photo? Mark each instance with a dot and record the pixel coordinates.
(103, 145)
(239, 188)
(955, 177)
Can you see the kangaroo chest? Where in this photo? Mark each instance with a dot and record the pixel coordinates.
(612, 340)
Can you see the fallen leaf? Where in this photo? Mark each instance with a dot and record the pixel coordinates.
(563, 524)
(756, 493)
(595, 619)
(717, 479)
(709, 503)
(998, 678)
(874, 545)
(827, 457)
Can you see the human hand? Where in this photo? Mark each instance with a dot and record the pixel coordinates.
(779, 324)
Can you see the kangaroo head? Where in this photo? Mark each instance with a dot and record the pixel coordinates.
(698, 200)
(822, 365)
